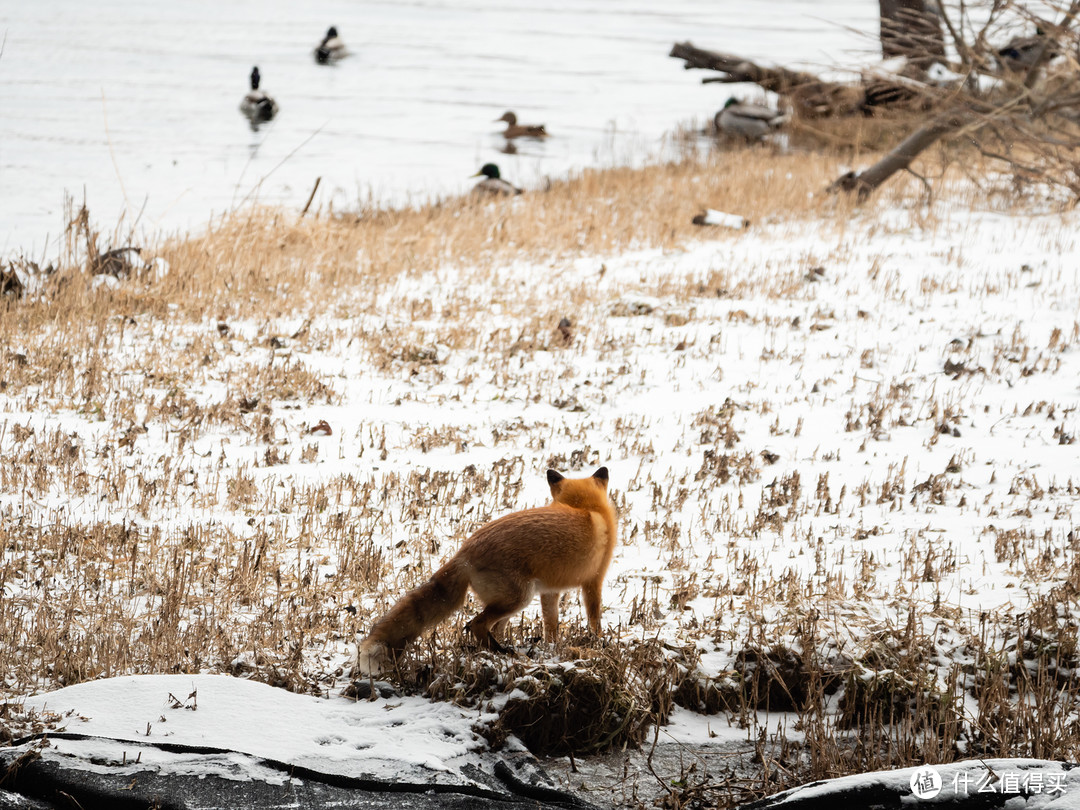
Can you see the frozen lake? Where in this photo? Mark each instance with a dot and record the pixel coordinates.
(135, 105)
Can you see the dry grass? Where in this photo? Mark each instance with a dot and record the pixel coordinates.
(594, 213)
(274, 263)
(166, 506)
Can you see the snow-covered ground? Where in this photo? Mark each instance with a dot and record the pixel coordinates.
(868, 424)
(202, 725)
(121, 720)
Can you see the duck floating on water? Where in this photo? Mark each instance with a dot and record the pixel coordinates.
(750, 121)
(516, 130)
(257, 105)
(331, 48)
(493, 184)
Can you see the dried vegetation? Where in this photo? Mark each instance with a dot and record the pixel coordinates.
(827, 455)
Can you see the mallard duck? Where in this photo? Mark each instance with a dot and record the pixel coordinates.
(750, 121)
(516, 130)
(1020, 53)
(257, 105)
(493, 183)
(331, 48)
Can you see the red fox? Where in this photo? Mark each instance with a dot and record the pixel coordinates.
(547, 550)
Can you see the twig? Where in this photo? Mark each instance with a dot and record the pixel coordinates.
(926, 183)
(281, 163)
(112, 153)
(311, 196)
(967, 58)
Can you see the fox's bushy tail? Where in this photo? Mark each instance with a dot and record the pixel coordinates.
(422, 607)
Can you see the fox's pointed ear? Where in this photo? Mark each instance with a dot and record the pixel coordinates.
(553, 478)
(601, 474)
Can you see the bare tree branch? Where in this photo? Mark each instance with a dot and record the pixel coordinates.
(865, 183)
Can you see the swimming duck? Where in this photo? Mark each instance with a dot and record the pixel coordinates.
(257, 105)
(750, 121)
(493, 184)
(331, 48)
(516, 130)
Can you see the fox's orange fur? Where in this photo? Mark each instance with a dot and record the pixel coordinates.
(567, 544)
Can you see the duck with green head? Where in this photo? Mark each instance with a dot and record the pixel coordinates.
(493, 184)
(750, 121)
(1020, 53)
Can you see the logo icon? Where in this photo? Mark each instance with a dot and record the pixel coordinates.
(926, 783)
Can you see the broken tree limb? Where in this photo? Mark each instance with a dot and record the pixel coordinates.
(737, 69)
(864, 183)
(810, 96)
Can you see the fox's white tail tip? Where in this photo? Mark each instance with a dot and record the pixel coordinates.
(372, 658)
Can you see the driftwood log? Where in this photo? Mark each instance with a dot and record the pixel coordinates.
(809, 95)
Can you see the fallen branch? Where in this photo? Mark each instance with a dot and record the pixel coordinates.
(737, 69)
(865, 183)
(810, 96)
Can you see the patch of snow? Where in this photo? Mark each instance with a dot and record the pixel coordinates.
(401, 739)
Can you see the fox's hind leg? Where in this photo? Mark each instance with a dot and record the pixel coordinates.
(495, 615)
(549, 606)
(590, 593)
(502, 597)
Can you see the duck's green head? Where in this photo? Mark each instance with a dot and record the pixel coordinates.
(731, 101)
(488, 170)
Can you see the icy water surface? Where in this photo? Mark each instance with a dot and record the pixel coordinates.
(135, 104)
